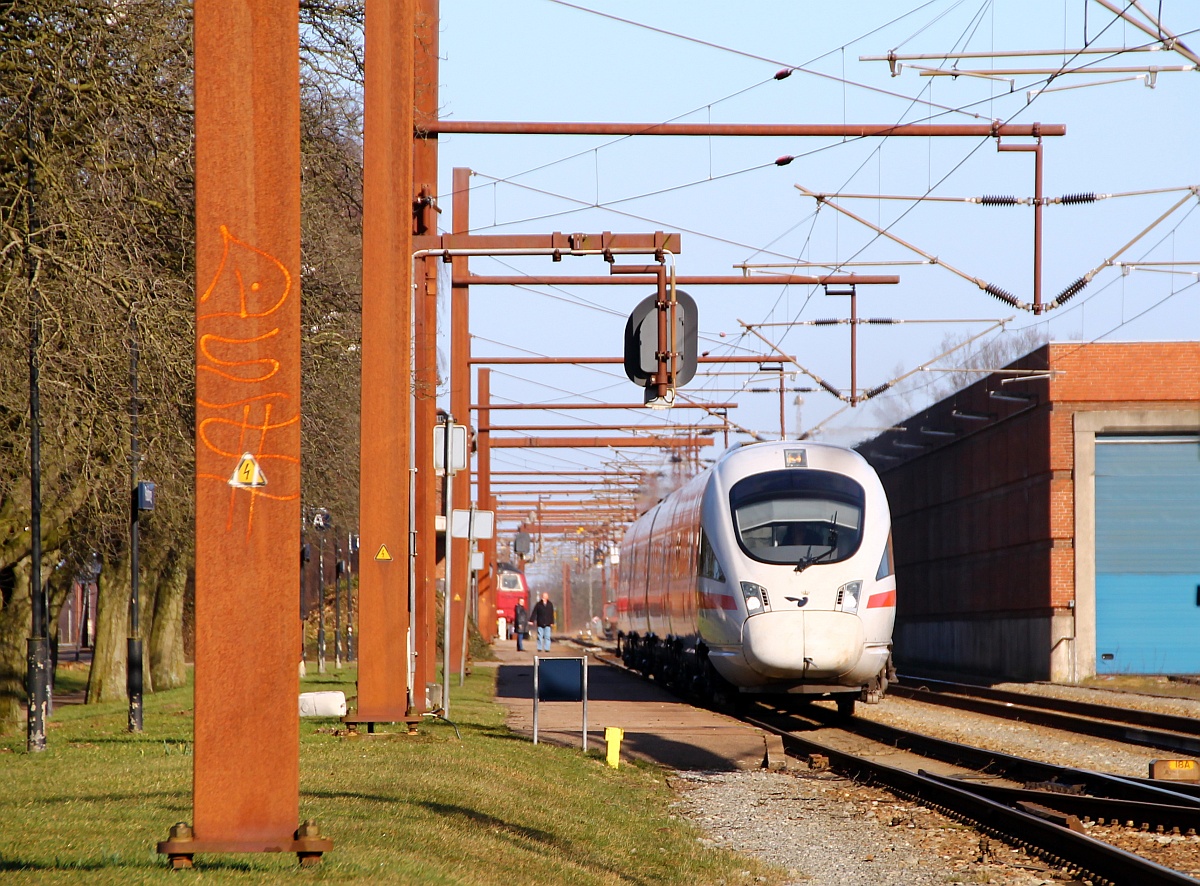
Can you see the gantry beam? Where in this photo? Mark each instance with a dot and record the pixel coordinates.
(538, 361)
(553, 528)
(820, 130)
(532, 480)
(460, 244)
(583, 473)
(683, 280)
(599, 442)
(641, 407)
(633, 429)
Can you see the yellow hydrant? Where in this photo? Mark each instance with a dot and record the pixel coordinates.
(613, 736)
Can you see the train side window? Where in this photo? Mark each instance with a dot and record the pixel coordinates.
(886, 565)
(709, 567)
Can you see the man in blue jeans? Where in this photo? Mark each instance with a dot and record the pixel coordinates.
(543, 617)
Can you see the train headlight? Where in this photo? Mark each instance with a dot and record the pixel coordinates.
(756, 596)
(848, 596)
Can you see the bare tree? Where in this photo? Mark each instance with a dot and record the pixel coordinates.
(96, 220)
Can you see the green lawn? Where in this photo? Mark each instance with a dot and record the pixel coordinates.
(489, 809)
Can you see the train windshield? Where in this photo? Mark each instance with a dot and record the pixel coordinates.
(798, 517)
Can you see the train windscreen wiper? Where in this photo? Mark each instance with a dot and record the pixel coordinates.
(831, 541)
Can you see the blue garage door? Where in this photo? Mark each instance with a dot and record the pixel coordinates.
(1148, 555)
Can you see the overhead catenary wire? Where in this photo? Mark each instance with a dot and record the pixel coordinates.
(800, 68)
(1116, 264)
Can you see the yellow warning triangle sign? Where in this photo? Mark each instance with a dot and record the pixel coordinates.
(384, 553)
(248, 474)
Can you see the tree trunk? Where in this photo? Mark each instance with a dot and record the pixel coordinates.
(106, 681)
(168, 667)
(15, 615)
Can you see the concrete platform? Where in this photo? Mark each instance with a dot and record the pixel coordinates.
(658, 726)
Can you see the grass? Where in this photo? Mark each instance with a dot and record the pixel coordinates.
(488, 809)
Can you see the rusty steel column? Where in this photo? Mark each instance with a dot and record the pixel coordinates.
(460, 406)
(246, 755)
(483, 421)
(383, 617)
(425, 173)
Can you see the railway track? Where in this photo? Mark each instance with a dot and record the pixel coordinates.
(1167, 732)
(1042, 808)
(1045, 809)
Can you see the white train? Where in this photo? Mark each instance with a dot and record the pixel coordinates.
(769, 573)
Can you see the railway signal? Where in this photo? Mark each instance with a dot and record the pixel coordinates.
(660, 344)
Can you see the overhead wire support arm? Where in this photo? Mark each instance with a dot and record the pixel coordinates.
(892, 57)
(1006, 73)
(750, 327)
(987, 287)
(1080, 284)
(1155, 29)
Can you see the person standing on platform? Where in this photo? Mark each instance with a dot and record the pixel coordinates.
(543, 617)
(520, 623)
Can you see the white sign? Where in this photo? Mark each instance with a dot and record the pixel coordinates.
(485, 522)
(477, 561)
(458, 448)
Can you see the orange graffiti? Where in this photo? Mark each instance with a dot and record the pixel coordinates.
(206, 340)
(228, 241)
(237, 345)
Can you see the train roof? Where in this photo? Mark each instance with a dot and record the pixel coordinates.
(792, 453)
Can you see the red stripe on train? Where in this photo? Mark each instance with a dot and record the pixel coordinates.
(887, 598)
(717, 601)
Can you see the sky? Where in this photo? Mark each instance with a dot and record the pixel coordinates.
(689, 61)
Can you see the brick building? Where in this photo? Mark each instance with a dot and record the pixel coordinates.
(1047, 518)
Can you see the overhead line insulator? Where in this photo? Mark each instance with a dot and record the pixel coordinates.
(828, 321)
(830, 388)
(784, 160)
(1072, 199)
(783, 73)
(998, 200)
(1004, 296)
(1070, 292)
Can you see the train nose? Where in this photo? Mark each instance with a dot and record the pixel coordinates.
(814, 644)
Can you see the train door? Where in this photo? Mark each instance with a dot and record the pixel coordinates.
(1147, 554)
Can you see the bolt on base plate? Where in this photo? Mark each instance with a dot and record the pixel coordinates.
(181, 845)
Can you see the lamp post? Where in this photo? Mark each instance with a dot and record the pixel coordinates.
(305, 557)
(337, 605)
(133, 668)
(351, 550)
(321, 523)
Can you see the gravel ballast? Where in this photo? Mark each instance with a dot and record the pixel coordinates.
(828, 831)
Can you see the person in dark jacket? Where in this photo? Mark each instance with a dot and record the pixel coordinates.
(520, 624)
(543, 617)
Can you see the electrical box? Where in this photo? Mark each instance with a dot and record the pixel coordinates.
(144, 496)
